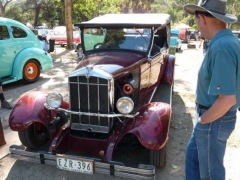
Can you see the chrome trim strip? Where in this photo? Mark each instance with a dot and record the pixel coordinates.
(150, 100)
(88, 91)
(111, 93)
(98, 100)
(90, 114)
(89, 83)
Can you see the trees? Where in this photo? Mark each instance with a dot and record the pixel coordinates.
(50, 11)
(86, 9)
(136, 6)
(3, 5)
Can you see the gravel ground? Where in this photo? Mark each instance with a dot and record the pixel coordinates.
(55, 79)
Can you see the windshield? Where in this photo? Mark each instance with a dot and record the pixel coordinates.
(117, 38)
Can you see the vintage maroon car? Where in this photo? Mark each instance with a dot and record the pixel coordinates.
(120, 98)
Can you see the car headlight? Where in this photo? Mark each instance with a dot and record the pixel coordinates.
(125, 105)
(54, 100)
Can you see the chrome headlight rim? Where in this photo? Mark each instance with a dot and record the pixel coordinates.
(54, 100)
(125, 105)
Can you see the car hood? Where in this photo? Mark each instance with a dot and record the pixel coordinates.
(112, 62)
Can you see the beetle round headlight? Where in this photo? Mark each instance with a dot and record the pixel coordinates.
(54, 100)
(125, 105)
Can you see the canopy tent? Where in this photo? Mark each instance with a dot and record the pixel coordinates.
(182, 26)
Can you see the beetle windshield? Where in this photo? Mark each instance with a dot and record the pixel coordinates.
(117, 38)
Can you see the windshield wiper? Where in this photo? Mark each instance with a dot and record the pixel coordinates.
(104, 30)
(141, 35)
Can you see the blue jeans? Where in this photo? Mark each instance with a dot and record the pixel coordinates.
(206, 148)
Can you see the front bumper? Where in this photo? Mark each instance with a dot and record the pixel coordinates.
(144, 172)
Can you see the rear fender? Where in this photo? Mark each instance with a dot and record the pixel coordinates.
(168, 76)
(30, 109)
(151, 126)
(44, 60)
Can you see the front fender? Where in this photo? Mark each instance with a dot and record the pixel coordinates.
(151, 126)
(30, 109)
(40, 55)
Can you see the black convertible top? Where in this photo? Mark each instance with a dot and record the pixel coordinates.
(127, 20)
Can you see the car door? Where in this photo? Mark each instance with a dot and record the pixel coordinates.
(155, 72)
(7, 54)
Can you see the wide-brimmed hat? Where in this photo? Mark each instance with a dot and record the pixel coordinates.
(217, 8)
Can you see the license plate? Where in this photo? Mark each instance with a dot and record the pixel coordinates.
(75, 164)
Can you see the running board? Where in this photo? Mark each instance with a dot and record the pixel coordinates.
(8, 79)
(112, 168)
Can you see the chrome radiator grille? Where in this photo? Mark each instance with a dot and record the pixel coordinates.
(90, 94)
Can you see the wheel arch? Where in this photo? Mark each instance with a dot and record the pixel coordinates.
(44, 60)
(151, 126)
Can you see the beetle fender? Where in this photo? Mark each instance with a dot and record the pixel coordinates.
(41, 56)
(30, 109)
(151, 126)
(168, 76)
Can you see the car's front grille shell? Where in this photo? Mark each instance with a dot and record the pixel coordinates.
(90, 94)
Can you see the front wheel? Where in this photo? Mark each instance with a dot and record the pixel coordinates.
(31, 71)
(34, 136)
(158, 157)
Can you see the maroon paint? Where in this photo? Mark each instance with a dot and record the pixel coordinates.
(114, 62)
(30, 109)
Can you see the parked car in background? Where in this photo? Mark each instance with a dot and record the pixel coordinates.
(237, 34)
(120, 97)
(21, 54)
(175, 40)
(193, 35)
(41, 31)
(60, 36)
(41, 27)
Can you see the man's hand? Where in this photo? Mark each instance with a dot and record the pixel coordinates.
(218, 109)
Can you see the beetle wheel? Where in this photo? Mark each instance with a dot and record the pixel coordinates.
(34, 136)
(158, 157)
(31, 71)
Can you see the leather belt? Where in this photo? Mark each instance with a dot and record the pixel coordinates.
(201, 106)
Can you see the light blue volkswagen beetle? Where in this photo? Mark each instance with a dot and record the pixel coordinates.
(21, 54)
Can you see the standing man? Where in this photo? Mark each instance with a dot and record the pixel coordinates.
(186, 36)
(4, 103)
(217, 94)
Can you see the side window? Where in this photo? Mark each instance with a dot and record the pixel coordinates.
(97, 32)
(4, 33)
(18, 32)
(160, 38)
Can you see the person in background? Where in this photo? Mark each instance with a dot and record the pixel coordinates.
(186, 36)
(203, 44)
(44, 42)
(4, 103)
(217, 93)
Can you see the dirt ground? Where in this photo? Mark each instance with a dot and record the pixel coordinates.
(187, 64)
